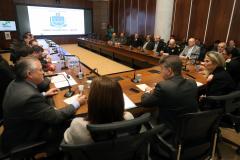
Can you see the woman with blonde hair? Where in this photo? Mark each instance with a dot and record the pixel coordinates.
(219, 82)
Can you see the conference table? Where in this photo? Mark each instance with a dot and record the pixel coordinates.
(149, 76)
(134, 54)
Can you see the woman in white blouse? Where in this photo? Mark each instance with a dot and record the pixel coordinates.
(105, 105)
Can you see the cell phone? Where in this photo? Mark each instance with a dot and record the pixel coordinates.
(134, 90)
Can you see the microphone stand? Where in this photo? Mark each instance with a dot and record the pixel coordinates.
(134, 78)
(69, 93)
(94, 70)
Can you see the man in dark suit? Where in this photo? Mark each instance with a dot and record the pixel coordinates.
(174, 96)
(136, 41)
(149, 43)
(27, 115)
(172, 48)
(159, 44)
(6, 76)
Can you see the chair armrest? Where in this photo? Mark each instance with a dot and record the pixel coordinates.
(1, 122)
(27, 149)
(165, 144)
(159, 139)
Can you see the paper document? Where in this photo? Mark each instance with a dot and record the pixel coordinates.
(60, 80)
(142, 86)
(128, 104)
(71, 99)
(54, 62)
(199, 84)
(64, 84)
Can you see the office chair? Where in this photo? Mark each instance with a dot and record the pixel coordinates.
(195, 138)
(25, 151)
(114, 141)
(231, 118)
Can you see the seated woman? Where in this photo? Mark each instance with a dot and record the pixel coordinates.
(105, 105)
(219, 82)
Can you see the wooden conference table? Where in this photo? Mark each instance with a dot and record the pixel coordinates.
(99, 46)
(150, 76)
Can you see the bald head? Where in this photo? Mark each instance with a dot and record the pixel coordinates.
(172, 43)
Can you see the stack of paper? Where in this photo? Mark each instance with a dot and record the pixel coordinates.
(71, 99)
(60, 80)
(128, 104)
(142, 87)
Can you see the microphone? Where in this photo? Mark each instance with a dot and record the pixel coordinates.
(69, 93)
(134, 77)
(94, 70)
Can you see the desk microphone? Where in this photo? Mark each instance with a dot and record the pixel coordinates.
(69, 93)
(134, 77)
(94, 70)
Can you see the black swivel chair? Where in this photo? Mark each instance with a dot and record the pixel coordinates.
(114, 141)
(231, 103)
(195, 138)
(25, 151)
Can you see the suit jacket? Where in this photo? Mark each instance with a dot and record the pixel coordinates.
(27, 115)
(174, 97)
(233, 68)
(149, 45)
(122, 40)
(194, 53)
(221, 84)
(6, 76)
(136, 42)
(161, 46)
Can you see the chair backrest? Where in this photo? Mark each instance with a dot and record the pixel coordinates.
(119, 141)
(231, 100)
(195, 133)
(100, 132)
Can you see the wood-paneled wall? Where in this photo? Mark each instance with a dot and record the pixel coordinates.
(208, 20)
(133, 16)
(8, 12)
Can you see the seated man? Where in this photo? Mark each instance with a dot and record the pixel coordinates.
(122, 38)
(7, 75)
(149, 43)
(191, 51)
(233, 65)
(221, 47)
(114, 38)
(27, 116)
(136, 41)
(232, 47)
(174, 96)
(159, 44)
(172, 48)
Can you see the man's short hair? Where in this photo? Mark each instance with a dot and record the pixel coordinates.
(23, 66)
(172, 62)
